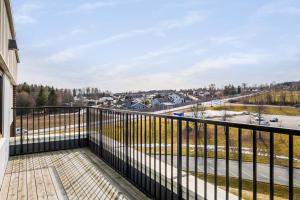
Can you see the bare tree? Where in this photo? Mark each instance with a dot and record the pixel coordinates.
(224, 117)
(198, 110)
(260, 108)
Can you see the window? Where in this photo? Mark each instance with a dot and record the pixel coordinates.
(1, 104)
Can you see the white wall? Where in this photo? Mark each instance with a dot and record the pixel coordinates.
(8, 65)
(7, 121)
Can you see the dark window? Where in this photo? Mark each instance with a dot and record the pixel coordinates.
(1, 105)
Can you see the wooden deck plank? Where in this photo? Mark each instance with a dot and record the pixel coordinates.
(39, 181)
(6, 180)
(85, 181)
(14, 182)
(50, 190)
(69, 174)
(22, 188)
(56, 159)
(78, 181)
(100, 184)
(31, 187)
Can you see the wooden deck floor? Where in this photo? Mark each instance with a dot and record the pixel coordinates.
(70, 174)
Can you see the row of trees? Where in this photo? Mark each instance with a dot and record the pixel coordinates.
(37, 95)
(232, 90)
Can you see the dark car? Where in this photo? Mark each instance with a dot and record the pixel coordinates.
(275, 119)
(297, 106)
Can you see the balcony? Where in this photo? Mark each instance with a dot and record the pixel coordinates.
(97, 153)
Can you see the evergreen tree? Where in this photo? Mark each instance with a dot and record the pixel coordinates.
(52, 98)
(42, 98)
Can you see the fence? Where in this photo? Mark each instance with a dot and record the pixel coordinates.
(169, 157)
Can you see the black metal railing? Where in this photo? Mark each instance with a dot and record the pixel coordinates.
(169, 157)
(42, 129)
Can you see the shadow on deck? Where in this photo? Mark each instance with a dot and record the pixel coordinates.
(68, 174)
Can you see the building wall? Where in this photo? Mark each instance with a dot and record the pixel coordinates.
(8, 68)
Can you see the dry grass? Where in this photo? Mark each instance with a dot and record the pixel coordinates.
(263, 192)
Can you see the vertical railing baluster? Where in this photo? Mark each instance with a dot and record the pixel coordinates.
(137, 150)
(141, 149)
(33, 135)
(126, 138)
(196, 160)
(38, 124)
(166, 158)
(79, 127)
(291, 167)
(271, 165)
(54, 113)
(59, 124)
(21, 139)
(187, 159)
(150, 149)
(101, 133)
(15, 131)
(172, 161)
(49, 129)
(216, 162)
(254, 165)
(227, 161)
(240, 160)
(27, 142)
(205, 161)
(74, 127)
(160, 184)
(154, 141)
(145, 152)
(44, 113)
(179, 159)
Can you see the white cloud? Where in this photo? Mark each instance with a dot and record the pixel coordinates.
(139, 62)
(280, 7)
(25, 13)
(189, 19)
(231, 60)
(94, 5)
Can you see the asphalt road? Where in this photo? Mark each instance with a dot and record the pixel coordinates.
(280, 178)
(291, 122)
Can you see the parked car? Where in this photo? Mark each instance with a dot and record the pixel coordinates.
(259, 119)
(264, 123)
(275, 119)
(21, 130)
(178, 114)
(297, 106)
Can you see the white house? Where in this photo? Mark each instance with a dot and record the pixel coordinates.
(8, 75)
(138, 106)
(176, 99)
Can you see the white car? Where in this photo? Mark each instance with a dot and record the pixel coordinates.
(259, 119)
(21, 130)
(264, 123)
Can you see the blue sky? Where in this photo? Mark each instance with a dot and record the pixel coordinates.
(129, 45)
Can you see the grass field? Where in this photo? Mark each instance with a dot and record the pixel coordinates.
(280, 192)
(284, 98)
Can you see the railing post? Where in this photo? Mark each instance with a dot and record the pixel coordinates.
(79, 126)
(101, 133)
(88, 125)
(126, 141)
(21, 139)
(179, 159)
